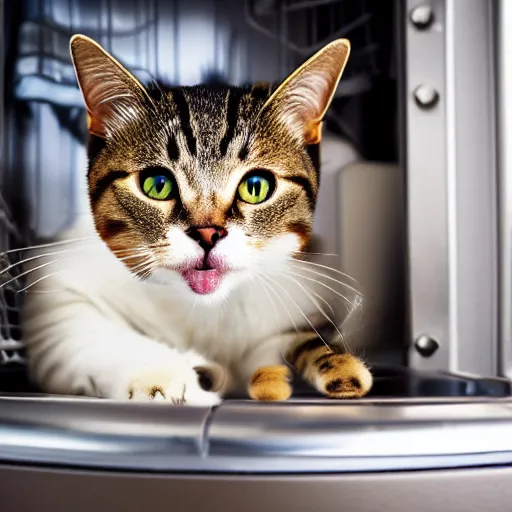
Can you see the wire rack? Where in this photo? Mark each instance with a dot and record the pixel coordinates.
(247, 41)
(178, 41)
(301, 27)
(11, 345)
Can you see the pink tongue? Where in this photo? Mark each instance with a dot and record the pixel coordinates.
(203, 281)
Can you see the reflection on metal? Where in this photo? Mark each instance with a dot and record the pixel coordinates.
(426, 346)
(426, 96)
(256, 438)
(422, 16)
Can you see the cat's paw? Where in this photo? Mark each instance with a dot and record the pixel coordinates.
(342, 376)
(271, 383)
(199, 386)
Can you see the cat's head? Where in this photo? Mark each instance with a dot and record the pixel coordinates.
(204, 185)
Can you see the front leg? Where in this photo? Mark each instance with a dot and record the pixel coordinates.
(333, 374)
(181, 378)
(336, 375)
(263, 369)
(74, 349)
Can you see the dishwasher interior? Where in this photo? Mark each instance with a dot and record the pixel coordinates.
(361, 220)
(386, 216)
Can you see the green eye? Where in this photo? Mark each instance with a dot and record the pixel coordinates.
(255, 189)
(157, 186)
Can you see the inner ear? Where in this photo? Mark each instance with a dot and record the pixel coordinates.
(303, 98)
(112, 94)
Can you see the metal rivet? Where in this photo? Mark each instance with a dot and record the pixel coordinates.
(426, 345)
(422, 16)
(426, 96)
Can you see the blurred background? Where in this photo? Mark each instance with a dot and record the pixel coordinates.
(409, 196)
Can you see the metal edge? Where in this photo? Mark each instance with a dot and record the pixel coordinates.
(401, 52)
(473, 234)
(427, 191)
(504, 129)
(131, 437)
(472, 490)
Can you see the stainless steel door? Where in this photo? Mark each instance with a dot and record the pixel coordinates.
(451, 178)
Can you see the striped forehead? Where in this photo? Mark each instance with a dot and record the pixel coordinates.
(211, 129)
(209, 121)
(214, 122)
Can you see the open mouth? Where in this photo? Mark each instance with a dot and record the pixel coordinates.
(203, 280)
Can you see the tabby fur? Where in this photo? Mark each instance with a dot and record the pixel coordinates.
(132, 326)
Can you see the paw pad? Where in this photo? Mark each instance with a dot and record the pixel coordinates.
(342, 376)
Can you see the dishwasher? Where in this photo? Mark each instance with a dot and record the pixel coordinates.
(415, 150)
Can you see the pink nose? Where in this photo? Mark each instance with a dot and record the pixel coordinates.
(207, 237)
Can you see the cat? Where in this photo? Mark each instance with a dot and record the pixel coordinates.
(186, 280)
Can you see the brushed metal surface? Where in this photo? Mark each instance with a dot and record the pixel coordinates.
(475, 490)
(451, 187)
(89, 432)
(241, 436)
(504, 131)
(361, 437)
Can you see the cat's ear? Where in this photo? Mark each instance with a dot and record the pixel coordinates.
(303, 98)
(111, 93)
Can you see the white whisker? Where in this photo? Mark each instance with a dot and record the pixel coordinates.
(52, 262)
(37, 257)
(50, 244)
(43, 265)
(37, 281)
(355, 290)
(348, 301)
(139, 267)
(318, 296)
(273, 304)
(158, 245)
(329, 319)
(327, 268)
(138, 255)
(263, 280)
(32, 258)
(315, 253)
(143, 270)
(129, 276)
(300, 310)
(63, 251)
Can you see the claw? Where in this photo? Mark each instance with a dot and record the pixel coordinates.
(157, 397)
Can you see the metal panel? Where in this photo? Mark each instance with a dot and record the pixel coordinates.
(485, 489)
(504, 101)
(451, 173)
(97, 433)
(359, 437)
(476, 222)
(315, 436)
